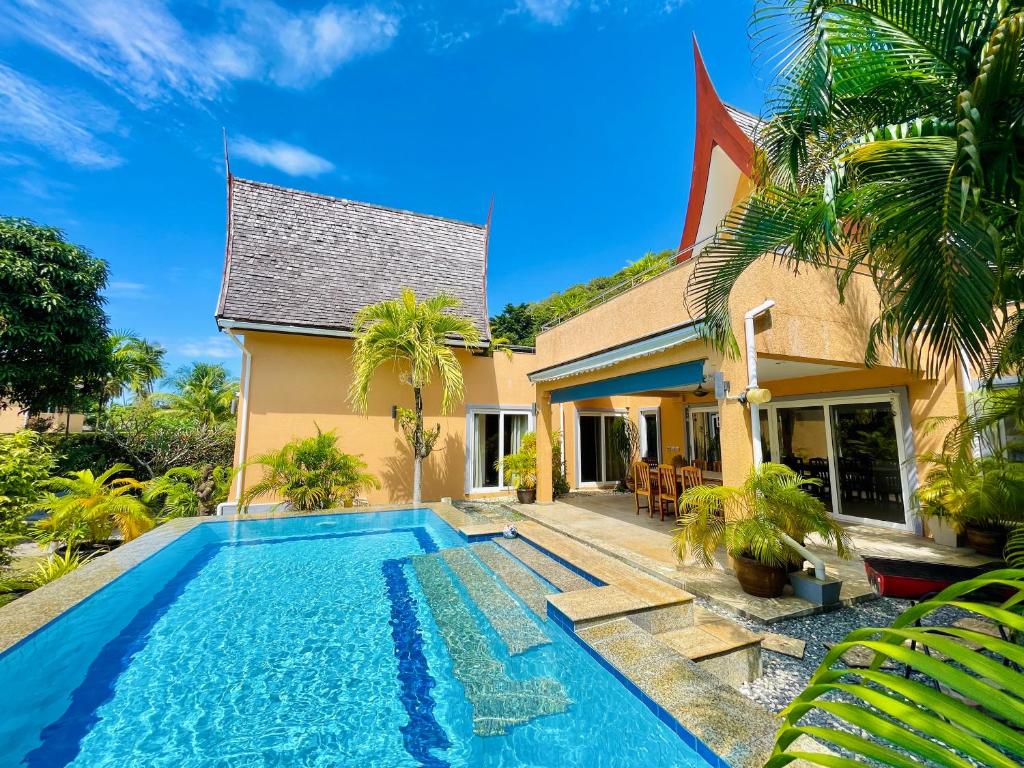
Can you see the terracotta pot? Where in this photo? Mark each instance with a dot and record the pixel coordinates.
(986, 541)
(526, 495)
(758, 579)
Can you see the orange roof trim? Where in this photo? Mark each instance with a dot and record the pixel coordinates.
(715, 128)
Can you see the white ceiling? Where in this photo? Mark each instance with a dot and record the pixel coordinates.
(772, 370)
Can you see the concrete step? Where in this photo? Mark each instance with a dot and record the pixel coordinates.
(730, 652)
(498, 701)
(523, 582)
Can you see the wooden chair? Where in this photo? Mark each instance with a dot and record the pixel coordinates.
(691, 476)
(642, 487)
(669, 490)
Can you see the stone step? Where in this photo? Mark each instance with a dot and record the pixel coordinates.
(727, 650)
(497, 700)
(515, 627)
(551, 570)
(526, 585)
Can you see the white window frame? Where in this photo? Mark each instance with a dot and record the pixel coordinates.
(603, 412)
(824, 402)
(691, 446)
(656, 410)
(472, 411)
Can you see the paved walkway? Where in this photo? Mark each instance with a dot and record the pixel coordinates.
(608, 522)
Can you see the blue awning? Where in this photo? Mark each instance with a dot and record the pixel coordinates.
(679, 375)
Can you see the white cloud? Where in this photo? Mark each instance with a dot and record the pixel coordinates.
(212, 347)
(552, 12)
(288, 158)
(64, 123)
(140, 48)
(124, 289)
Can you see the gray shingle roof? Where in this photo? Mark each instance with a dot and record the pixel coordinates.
(301, 259)
(748, 123)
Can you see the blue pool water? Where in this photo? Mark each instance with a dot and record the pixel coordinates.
(343, 640)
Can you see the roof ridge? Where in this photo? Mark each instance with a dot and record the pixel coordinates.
(743, 111)
(333, 198)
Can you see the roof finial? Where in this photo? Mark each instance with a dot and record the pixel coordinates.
(227, 158)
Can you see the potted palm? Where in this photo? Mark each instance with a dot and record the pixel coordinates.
(520, 469)
(757, 523)
(980, 498)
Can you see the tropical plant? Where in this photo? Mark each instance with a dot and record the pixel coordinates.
(625, 440)
(55, 566)
(759, 519)
(417, 338)
(517, 324)
(520, 468)
(25, 464)
(960, 490)
(648, 266)
(960, 707)
(559, 485)
(53, 332)
(91, 508)
(204, 394)
(310, 473)
(135, 365)
(188, 491)
(893, 152)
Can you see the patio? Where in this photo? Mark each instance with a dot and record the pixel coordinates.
(608, 522)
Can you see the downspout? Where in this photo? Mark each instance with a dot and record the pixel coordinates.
(243, 426)
(755, 427)
(755, 411)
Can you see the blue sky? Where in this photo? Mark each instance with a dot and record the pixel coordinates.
(576, 116)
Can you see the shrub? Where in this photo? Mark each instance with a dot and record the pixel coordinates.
(187, 491)
(25, 465)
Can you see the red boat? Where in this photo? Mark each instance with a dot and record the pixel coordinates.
(916, 579)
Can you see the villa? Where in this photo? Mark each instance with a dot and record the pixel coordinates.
(298, 265)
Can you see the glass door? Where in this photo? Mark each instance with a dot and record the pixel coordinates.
(494, 435)
(600, 460)
(705, 441)
(867, 457)
(803, 446)
(650, 435)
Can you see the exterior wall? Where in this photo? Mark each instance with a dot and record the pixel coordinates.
(12, 419)
(300, 382)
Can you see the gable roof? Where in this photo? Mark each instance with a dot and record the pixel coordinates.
(308, 262)
(748, 123)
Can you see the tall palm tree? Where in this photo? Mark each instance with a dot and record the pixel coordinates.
(204, 392)
(417, 337)
(91, 507)
(135, 365)
(895, 150)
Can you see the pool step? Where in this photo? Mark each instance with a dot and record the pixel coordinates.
(730, 652)
(550, 569)
(498, 701)
(517, 577)
(517, 629)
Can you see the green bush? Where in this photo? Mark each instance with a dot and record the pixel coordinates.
(25, 465)
(94, 451)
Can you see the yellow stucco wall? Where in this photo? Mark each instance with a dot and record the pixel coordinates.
(299, 382)
(12, 419)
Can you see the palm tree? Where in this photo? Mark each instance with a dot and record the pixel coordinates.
(416, 337)
(893, 152)
(188, 491)
(135, 364)
(205, 393)
(89, 507)
(310, 473)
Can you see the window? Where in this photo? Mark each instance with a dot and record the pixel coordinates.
(598, 448)
(705, 442)
(492, 435)
(650, 434)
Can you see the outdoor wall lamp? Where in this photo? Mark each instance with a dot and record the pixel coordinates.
(755, 396)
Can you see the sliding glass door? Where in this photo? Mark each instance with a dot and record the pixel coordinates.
(597, 449)
(493, 435)
(853, 446)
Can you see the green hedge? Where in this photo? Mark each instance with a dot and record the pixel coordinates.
(86, 450)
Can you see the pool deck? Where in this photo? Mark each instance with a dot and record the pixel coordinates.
(636, 624)
(608, 523)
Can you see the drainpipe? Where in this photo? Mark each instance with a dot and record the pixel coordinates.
(243, 403)
(755, 411)
(755, 427)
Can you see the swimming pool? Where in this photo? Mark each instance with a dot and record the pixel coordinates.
(376, 639)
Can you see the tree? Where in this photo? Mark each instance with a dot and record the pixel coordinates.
(25, 464)
(416, 337)
(88, 507)
(204, 393)
(893, 152)
(135, 365)
(310, 473)
(516, 324)
(53, 331)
